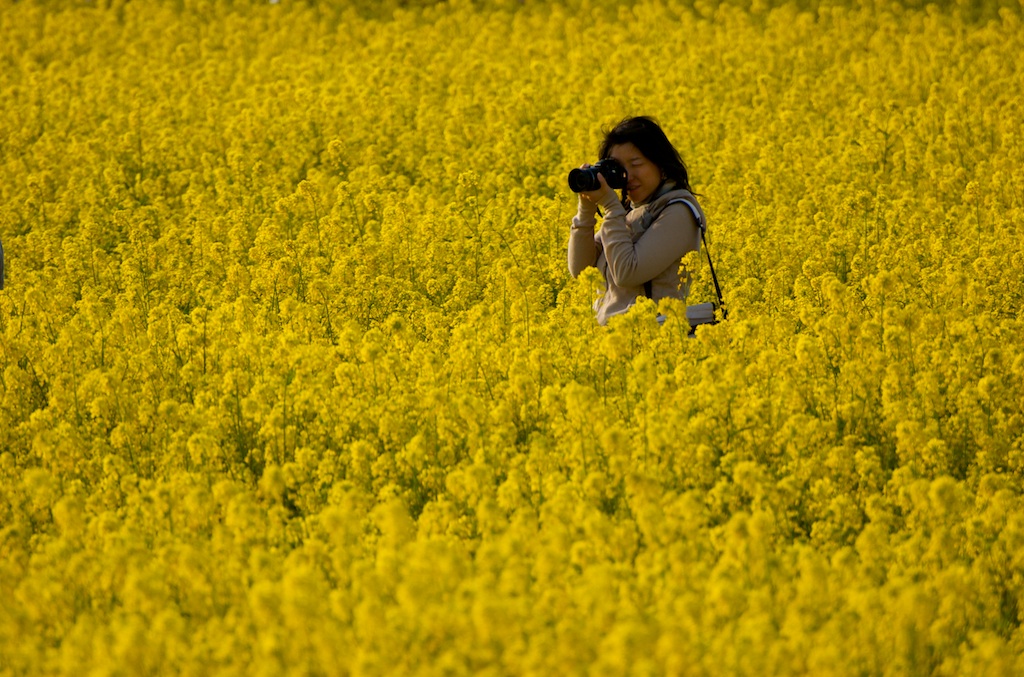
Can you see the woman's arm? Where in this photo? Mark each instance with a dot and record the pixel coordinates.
(631, 264)
(582, 247)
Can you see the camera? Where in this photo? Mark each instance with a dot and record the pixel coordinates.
(581, 180)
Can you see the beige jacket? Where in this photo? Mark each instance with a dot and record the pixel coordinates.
(647, 243)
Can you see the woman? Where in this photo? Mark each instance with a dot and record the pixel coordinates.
(644, 235)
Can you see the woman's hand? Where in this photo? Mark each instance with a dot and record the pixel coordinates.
(598, 196)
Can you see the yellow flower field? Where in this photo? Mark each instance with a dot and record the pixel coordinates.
(295, 379)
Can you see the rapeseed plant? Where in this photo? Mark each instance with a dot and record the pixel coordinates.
(293, 377)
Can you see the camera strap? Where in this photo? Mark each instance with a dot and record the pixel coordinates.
(714, 278)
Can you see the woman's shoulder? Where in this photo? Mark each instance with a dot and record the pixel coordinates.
(674, 195)
(682, 197)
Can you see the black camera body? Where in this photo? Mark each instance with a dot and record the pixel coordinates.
(581, 180)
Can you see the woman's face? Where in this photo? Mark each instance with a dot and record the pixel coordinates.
(642, 176)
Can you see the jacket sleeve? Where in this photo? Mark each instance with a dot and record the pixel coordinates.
(631, 264)
(583, 245)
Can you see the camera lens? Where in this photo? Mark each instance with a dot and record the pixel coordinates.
(581, 180)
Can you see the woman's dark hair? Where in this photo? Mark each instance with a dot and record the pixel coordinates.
(646, 135)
